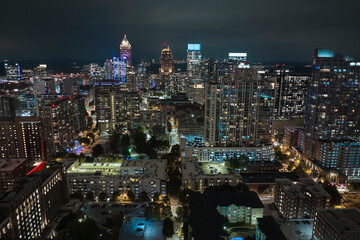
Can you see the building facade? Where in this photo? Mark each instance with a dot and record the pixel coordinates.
(300, 200)
(333, 108)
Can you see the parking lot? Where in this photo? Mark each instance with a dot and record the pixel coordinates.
(134, 226)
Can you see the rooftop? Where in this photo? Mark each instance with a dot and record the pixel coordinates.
(344, 221)
(104, 169)
(11, 164)
(144, 168)
(303, 184)
(268, 177)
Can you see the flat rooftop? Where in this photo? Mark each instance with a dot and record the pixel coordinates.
(104, 169)
(144, 168)
(268, 177)
(303, 184)
(345, 221)
(11, 164)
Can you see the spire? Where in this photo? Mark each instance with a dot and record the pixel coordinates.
(125, 42)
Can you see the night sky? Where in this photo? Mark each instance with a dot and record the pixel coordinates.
(267, 30)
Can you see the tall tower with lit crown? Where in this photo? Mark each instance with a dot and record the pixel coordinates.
(125, 51)
(167, 61)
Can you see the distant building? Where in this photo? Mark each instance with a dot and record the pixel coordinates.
(21, 137)
(195, 93)
(290, 95)
(167, 61)
(193, 55)
(115, 106)
(12, 71)
(300, 200)
(108, 70)
(8, 106)
(292, 136)
(125, 51)
(336, 224)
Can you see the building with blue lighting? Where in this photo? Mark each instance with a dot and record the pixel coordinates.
(332, 120)
(193, 55)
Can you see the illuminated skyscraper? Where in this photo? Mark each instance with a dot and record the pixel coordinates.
(125, 51)
(108, 69)
(12, 71)
(167, 61)
(116, 63)
(193, 55)
(333, 109)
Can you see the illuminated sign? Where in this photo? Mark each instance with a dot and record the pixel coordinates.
(237, 54)
(194, 47)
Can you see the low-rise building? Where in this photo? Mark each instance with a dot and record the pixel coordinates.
(300, 200)
(95, 177)
(220, 154)
(196, 177)
(147, 175)
(336, 224)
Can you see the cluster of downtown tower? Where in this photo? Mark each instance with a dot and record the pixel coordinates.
(212, 109)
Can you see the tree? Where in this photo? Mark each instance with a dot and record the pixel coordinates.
(90, 196)
(115, 195)
(166, 199)
(335, 195)
(166, 212)
(114, 142)
(280, 156)
(64, 221)
(84, 141)
(131, 195)
(238, 163)
(97, 150)
(143, 196)
(86, 230)
(156, 197)
(169, 126)
(102, 196)
(265, 189)
(91, 135)
(168, 227)
(179, 214)
(77, 195)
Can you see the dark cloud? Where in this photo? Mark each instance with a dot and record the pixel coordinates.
(270, 30)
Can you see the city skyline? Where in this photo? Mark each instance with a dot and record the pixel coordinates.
(239, 27)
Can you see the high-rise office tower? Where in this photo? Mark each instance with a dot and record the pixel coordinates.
(167, 61)
(116, 63)
(193, 55)
(108, 70)
(238, 110)
(125, 51)
(333, 109)
(12, 71)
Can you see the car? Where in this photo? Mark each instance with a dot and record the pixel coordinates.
(139, 232)
(141, 224)
(141, 212)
